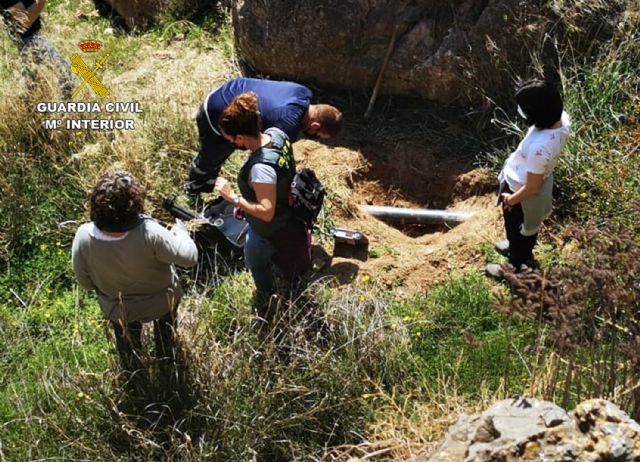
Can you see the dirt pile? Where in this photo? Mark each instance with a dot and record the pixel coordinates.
(403, 255)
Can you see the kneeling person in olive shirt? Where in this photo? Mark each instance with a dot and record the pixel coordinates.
(128, 260)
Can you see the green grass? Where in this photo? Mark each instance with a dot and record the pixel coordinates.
(454, 331)
(347, 362)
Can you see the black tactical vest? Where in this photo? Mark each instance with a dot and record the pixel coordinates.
(279, 156)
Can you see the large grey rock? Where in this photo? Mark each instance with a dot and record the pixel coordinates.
(533, 430)
(444, 50)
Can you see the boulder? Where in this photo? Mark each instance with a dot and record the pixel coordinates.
(137, 13)
(532, 430)
(459, 50)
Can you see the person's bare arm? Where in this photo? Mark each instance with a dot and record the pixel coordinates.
(264, 209)
(531, 188)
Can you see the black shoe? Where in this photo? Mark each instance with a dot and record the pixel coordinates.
(502, 247)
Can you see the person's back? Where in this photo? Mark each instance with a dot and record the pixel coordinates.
(282, 104)
(133, 274)
(127, 259)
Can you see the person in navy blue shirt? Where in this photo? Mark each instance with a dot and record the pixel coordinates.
(284, 105)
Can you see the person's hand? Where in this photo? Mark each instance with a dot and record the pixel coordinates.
(505, 201)
(224, 188)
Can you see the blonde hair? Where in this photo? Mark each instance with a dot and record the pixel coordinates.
(329, 118)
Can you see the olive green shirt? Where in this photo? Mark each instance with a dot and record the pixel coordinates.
(134, 276)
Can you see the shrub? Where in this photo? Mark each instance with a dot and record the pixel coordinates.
(587, 309)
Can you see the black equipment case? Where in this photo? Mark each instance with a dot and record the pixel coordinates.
(220, 230)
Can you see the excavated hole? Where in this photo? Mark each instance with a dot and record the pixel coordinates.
(408, 176)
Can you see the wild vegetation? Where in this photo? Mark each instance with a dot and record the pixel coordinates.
(360, 371)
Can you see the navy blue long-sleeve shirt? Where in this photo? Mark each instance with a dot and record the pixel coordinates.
(282, 104)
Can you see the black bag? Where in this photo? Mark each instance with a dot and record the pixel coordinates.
(306, 196)
(221, 231)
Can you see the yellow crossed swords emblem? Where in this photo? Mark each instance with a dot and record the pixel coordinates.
(79, 67)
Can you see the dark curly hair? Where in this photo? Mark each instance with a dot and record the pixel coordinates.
(116, 202)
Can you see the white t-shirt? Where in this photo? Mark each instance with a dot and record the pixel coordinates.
(539, 152)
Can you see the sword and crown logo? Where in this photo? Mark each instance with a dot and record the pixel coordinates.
(89, 77)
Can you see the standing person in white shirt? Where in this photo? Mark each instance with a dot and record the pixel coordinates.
(526, 180)
(128, 259)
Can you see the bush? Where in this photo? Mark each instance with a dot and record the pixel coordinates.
(587, 310)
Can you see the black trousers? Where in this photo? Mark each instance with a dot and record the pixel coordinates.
(129, 340)
(520, 247)
(214, 149)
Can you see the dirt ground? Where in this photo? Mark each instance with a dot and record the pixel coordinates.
(408, 256)
(356, 172)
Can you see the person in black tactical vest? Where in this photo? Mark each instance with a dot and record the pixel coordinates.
(274, 236)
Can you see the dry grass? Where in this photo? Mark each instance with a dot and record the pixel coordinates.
(337, 378)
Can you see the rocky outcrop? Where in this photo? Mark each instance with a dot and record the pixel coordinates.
(443, 50)
(137, 13)
(533, 430)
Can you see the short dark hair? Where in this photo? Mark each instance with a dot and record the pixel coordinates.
(540, 101)
(116, 201)
(329, 118)
(241, 116)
